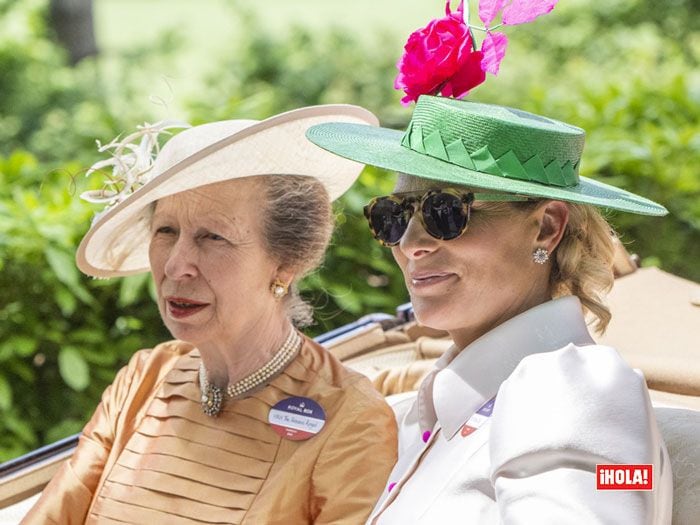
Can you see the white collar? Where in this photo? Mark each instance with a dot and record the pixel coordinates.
(465, 380)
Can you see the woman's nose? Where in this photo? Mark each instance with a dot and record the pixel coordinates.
(416, 242)
(182, 261)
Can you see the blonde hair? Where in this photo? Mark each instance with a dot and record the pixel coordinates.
(583, 262)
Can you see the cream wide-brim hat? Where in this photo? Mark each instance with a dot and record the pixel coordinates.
(117, 242)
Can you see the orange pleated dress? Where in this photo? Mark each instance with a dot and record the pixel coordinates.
(150, 455)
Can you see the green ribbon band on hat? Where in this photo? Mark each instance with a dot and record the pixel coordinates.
(507, 165)
(496, 140)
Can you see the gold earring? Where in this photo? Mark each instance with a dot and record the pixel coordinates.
(279, 289)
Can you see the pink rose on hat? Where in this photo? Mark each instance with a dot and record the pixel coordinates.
(440, 58)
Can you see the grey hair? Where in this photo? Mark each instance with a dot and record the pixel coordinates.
(297, 228)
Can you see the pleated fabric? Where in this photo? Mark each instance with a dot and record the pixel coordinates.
(180, 466)
(149, 455)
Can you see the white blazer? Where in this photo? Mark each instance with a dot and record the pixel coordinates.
(562, 405)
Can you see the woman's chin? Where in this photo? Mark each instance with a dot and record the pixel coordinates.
(431, 315)
(187, 334)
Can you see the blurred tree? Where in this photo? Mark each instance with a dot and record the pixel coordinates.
(73, 23)
(618, 69)
(6, 5)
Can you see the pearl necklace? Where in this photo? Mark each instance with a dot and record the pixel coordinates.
(213, 396)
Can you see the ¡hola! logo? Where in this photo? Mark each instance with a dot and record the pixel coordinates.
(624, 477)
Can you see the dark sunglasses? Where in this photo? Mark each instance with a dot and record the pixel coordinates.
(443, 213)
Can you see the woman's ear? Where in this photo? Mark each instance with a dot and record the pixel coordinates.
(285, 274)
(553, 218)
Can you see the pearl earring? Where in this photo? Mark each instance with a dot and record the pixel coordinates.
(540, 255)
(278, 289)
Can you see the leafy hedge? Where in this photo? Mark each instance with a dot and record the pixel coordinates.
(624, 70)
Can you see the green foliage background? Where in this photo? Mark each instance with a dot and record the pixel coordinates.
(625, 70)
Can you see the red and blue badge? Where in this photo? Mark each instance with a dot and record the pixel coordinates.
(479, 418)
(297, 418)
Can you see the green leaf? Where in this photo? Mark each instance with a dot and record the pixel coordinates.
(22, 429)
(87, 335)
(17, 346)
(66, 301)
(5, 393)
(63, 266)
(17, 163)
(65, 428)
(99, 357)
(131, 288)
(24, 371)
(23, 345)
(346, 298)
(73, 368)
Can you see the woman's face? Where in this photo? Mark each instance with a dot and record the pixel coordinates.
(209, 265)
(471, 284)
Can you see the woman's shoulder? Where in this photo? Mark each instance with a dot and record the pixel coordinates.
(169, 350)
(592, 364)
(576, 397)
(151, 364)
(587, 378)
(160, 355)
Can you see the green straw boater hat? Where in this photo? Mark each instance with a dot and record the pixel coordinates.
(477, 145)
(482, 146)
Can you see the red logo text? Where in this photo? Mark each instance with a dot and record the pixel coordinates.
(624, 477)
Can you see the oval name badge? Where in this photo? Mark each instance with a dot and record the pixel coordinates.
(297, 418)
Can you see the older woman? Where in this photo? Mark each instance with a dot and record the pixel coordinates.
(242, 419)
(501, 246)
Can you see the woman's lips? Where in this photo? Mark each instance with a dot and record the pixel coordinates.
(424, 280)
(181, 307)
